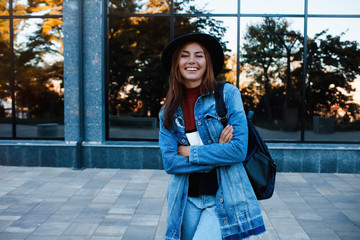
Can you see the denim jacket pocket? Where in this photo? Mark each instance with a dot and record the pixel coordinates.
(214, 125)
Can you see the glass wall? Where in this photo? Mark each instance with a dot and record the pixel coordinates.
(296, 90)
(136, 85)
(31, 66)
(333, 83)
(270, 80)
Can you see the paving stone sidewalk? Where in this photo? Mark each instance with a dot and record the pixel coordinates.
(104, 204)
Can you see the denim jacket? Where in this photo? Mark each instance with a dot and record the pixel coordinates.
(236, 204)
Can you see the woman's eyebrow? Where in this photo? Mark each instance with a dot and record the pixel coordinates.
(189, 51)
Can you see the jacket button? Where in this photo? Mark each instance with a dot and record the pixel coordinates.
(199, 123)
(225, 222)
(183, 140)
(221, 200)
(209, 141)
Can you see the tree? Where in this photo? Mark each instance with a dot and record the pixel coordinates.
(51, 27)
(38, 59)
(263, 52)
(18, 9)
(333, 64)
(36, 93)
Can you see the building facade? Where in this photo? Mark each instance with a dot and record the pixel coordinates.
(302, 94)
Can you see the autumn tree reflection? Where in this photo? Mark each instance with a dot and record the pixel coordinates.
(37, 56)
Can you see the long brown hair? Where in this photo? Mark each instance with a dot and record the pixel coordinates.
(175, 93)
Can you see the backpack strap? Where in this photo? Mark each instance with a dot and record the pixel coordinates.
(220, 103)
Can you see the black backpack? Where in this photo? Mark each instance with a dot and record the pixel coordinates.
(259, 166)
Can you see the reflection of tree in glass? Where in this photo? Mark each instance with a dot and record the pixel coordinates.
(264, 52)
(38, 59)
(4, 59)
(50, 7)
(137, 81)
(18, 9)
(333, 64)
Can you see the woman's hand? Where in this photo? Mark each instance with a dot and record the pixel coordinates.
(225, 137)
(184, 151)
(226, 134)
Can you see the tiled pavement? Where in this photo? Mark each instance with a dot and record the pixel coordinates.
(105, 204)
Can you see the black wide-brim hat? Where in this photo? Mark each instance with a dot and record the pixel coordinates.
(206, 40)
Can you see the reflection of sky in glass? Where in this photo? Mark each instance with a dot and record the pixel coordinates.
(215, 6)
(334, 7)
(272, 6)
(336, 26)
(230, 36)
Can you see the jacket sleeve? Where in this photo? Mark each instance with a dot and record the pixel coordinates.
(173, 162)
(224, 154)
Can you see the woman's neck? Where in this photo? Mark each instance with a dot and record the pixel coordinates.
(192, 84)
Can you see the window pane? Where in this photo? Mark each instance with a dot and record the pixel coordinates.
(139, 6)
(334, 7)
(39, 78)
(333, 85)
(5, 90)
(347, 27)
(137, 82)
(273, 6)
(206, 6)
(37, 8)
(269, 92)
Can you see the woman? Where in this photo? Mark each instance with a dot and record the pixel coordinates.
(209, 194)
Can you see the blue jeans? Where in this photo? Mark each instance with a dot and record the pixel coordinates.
(200, 220)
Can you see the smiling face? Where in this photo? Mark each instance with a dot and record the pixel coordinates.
(192, 64)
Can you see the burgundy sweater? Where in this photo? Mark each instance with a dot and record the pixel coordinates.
(199, 183)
